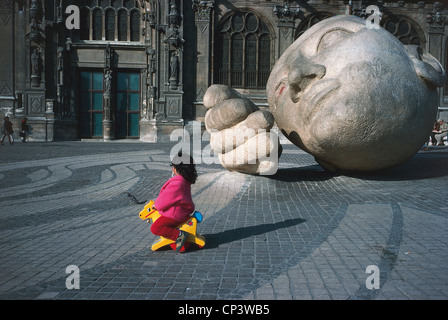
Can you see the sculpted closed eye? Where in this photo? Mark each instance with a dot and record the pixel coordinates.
(332, 37)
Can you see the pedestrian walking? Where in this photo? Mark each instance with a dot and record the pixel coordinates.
(24, 129)
(7, 130)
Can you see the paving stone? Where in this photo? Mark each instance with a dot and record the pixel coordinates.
(300, 234)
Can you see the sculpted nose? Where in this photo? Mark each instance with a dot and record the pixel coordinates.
(301, 74)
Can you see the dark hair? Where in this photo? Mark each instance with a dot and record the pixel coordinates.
(184, 165)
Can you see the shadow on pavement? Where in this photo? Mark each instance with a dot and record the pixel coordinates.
(308, 173)
(216, 239)
(421, 166)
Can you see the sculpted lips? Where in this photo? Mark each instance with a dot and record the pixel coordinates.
(311, 97)
(315, 94)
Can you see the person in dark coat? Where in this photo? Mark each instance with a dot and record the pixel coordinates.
(7, 130)
(24, 129)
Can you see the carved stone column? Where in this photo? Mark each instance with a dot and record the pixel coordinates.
(151, 89)
(174, 58)
(108, 121)
(203, 22)
(37, 43)
(287, 16)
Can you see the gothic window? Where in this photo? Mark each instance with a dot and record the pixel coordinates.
(135, 25)
(116, 3)
(84, 23)
(122, 25)
(243, 51)
(403, 29)
(110, 24)
(310, 21)
(236, 55)
(110, 20)
(264, 59)
(97, 24)
(251, 64)
(128, 4)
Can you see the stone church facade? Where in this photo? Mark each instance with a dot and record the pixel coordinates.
(138, 69)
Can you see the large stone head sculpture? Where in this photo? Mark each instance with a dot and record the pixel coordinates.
(355, 98)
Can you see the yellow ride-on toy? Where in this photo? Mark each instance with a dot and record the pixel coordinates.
(190, 226)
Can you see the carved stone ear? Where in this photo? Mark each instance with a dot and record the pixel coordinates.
(426, 66)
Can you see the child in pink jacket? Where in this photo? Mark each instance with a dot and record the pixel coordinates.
(175, 203)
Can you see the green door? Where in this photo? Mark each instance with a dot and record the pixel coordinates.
(128, 105)
(91, 104)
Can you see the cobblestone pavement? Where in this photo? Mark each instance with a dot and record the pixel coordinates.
(300, 234)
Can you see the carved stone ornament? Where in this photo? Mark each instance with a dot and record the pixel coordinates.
(202, 9)
(36, 62)
(439, 15)
(286, 13)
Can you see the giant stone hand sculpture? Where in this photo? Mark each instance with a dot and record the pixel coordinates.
(355, 98)
(240, 132)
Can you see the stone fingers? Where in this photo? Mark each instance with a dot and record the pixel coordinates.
(240, 132)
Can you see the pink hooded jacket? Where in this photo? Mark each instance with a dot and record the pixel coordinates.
(175, 199)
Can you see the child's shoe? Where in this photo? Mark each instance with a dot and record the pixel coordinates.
(180, 241)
